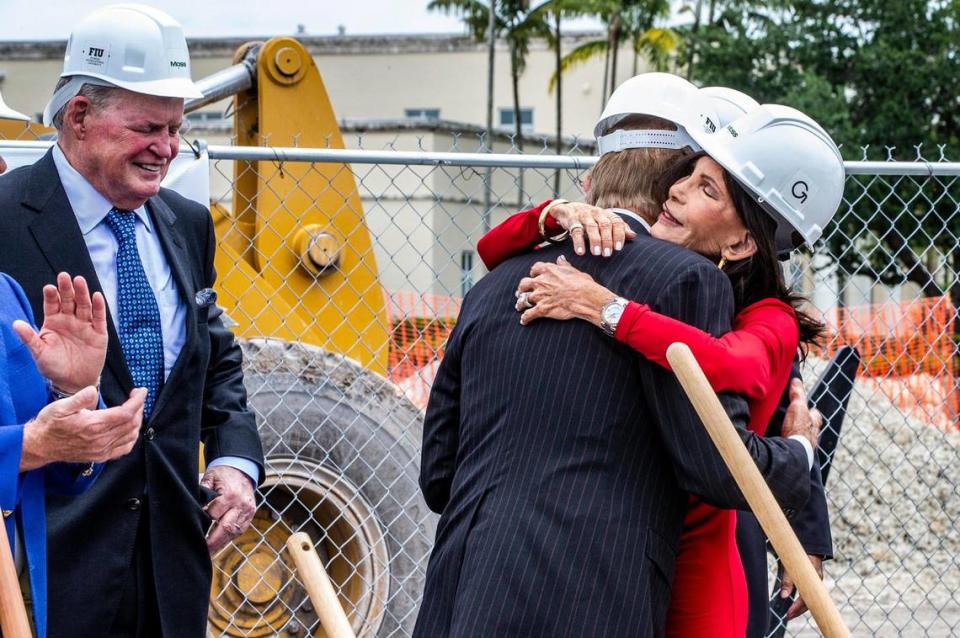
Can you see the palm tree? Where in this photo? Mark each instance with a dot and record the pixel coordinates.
(515, 23)
(627, 21)
(555, 11)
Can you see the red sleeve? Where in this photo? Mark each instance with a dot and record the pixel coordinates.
(764, 338)
(515, 235)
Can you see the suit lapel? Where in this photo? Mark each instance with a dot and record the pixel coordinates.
(164, 223)
(58, 236)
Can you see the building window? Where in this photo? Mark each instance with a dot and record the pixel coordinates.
(526, 119)
(466, 271)
(422, 114)
(202, 119)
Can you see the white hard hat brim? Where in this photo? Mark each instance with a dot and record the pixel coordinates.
(168, 87)
(7, 113)
(717, 147)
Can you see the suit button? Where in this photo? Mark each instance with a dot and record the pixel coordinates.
(133, 504)
(150, 434)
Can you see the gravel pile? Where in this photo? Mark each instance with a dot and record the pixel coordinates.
(895, 507)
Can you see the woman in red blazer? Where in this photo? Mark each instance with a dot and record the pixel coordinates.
(704, 208)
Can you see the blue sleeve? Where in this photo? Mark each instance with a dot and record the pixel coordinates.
(248, 467)
(11, 446)
(67, 479)
(21, 299)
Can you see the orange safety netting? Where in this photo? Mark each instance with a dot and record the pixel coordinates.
(421, 323)
(907, 350)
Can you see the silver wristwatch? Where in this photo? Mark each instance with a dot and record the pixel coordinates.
(610, 314)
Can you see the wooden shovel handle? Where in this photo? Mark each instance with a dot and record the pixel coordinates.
(317, 583)
(755, 490)
(13, 615)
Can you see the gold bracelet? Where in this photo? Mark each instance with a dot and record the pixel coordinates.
(543, 220)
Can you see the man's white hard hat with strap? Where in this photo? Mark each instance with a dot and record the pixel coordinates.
(729, 104)
(7, 113)
(788, 162)
(129, 46)
(662, 95)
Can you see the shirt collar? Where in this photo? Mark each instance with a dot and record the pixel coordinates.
(88, 204)
(623, 212)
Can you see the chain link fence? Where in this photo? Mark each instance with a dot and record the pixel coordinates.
(343, 433)
(342, 273)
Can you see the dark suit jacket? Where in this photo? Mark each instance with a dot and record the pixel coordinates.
(811, 524)
(560, 459)
(91, 538)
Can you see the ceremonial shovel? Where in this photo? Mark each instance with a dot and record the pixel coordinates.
(755, 490)
(13, 615)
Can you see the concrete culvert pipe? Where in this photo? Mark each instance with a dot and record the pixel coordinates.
(343, 449)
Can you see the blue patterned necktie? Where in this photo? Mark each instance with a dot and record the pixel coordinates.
(138, 314)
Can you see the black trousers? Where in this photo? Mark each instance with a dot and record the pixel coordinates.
(753, 553)
(139, 615)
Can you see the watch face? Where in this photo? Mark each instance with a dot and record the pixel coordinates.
(611, 312)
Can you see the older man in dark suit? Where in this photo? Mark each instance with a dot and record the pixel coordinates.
(132, 556)
(561, 460)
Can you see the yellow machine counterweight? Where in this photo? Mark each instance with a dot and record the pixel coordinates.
(295, 256)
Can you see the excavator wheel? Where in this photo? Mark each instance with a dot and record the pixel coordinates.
(342, 446)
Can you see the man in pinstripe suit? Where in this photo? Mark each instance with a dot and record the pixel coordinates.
(561, 460)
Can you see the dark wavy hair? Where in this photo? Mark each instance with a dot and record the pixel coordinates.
(759, 276)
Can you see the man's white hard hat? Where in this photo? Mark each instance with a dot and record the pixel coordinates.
(788, 162)
(130, 46)
(7, 113)
(729, 104)
(662, 95)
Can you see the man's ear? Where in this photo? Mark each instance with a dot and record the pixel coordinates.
(76, 115)
(743, 247)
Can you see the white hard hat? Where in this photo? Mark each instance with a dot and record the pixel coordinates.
(728, 103)
(7, 113)
(662, 95)
(130, 46)
(788, 162)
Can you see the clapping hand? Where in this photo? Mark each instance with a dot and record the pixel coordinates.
(72, 343)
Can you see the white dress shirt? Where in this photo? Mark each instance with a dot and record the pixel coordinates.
(91, 209)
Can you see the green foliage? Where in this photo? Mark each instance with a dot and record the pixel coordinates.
(881, 74)
(514, 21)
(874, 72)
(626, 21)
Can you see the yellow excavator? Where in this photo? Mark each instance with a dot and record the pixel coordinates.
(299, 282)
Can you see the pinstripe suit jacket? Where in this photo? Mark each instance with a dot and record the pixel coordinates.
(561, 460)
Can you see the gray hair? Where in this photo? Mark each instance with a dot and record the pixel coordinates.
(99, 96)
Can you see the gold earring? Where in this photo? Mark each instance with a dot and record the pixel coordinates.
(722, 263)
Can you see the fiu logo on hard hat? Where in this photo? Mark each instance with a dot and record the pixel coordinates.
(799, 190)
(95, 55)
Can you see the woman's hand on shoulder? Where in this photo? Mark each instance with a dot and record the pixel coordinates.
(604, 231)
